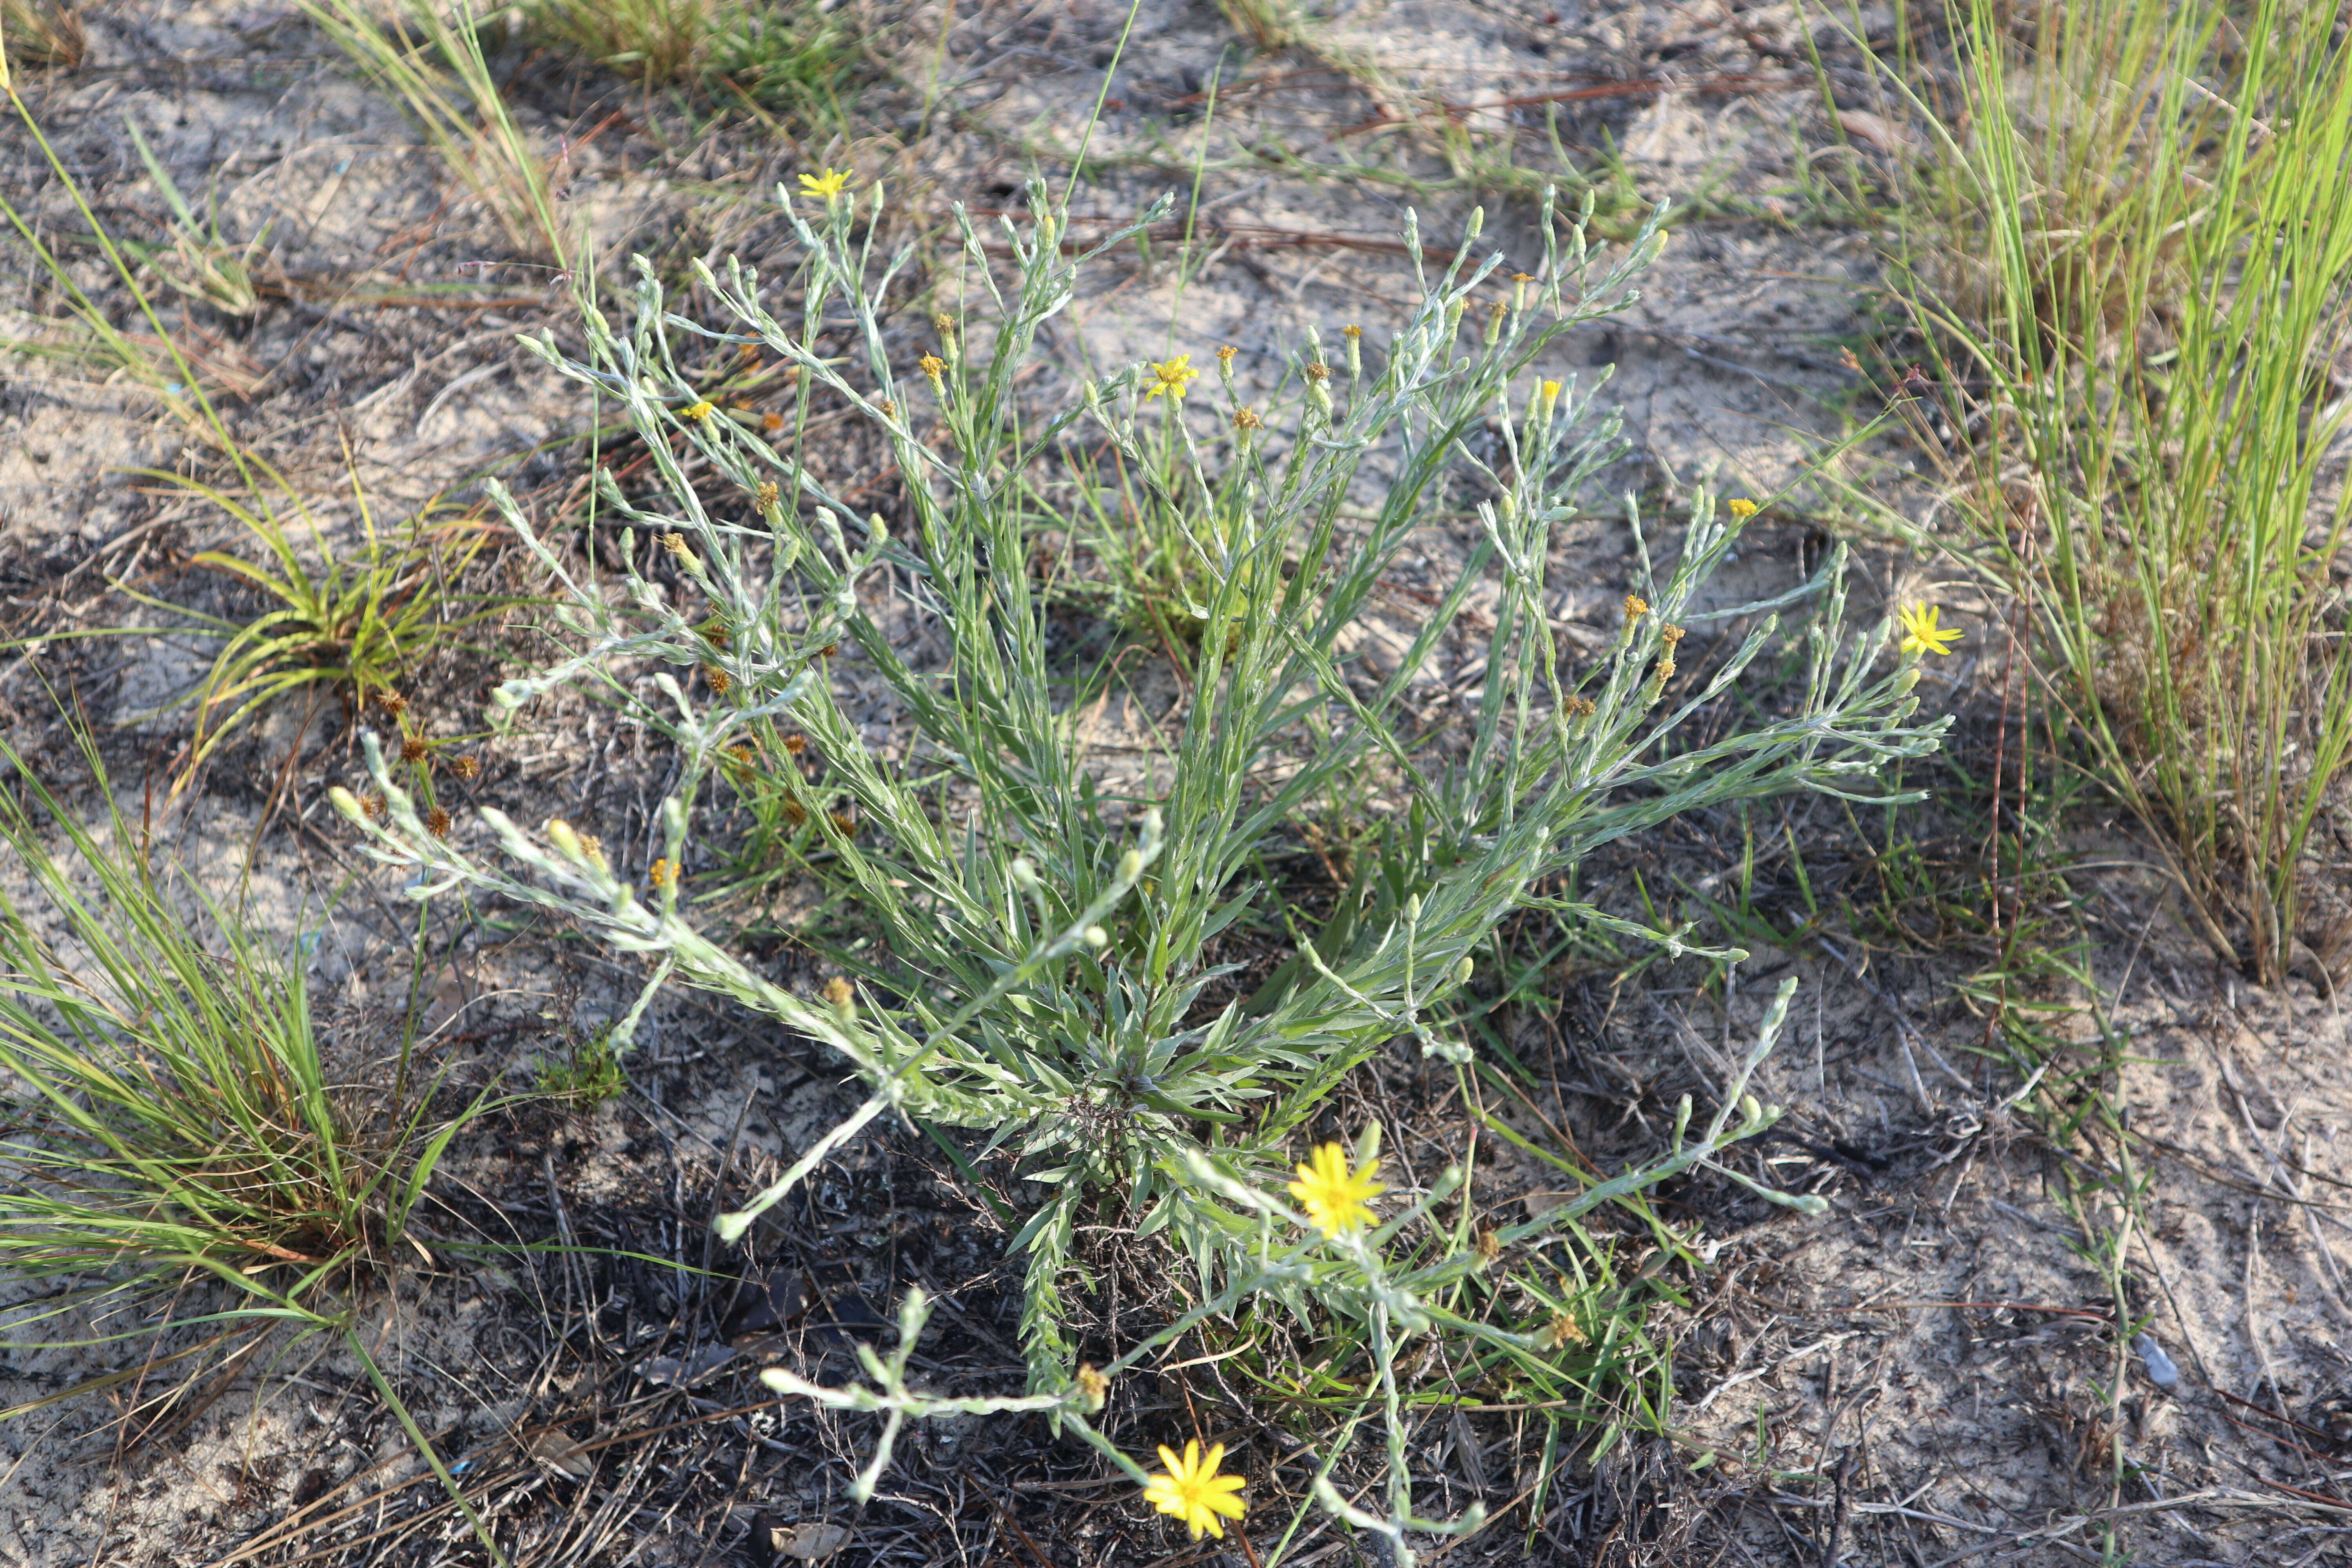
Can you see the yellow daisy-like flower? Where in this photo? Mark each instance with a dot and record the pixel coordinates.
(698, 412)
(1742, 506)
(1333, 1196)
(1920, 633)
(1193, 1491)
(828, 185)
(1171, 377)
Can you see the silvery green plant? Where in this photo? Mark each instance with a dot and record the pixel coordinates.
(1355, 1272)
(1045, 939)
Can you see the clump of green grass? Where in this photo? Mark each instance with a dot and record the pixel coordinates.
(354, 621)
(39, 33)
(183, 1154)
(435, 64)
(771, 53)
(1046, 936)
(199, 262)
(2163, 198)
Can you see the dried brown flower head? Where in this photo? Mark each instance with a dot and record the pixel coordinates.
(412, 748)
(795, 813)
(436, 823)
(846, 819)
(391, 703)
(372, 807)
(467, 767)
(772, 423)
(828, 651)
(1244, 420)
(1672, 635)
(719, 679)
(592, 848)
(839, 992)
(796, 742)
(889, 409)
(1318, 373)
(944, 324)
(768, 494)
(1580, 708)
(675, 543)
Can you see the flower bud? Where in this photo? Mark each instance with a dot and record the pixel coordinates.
(1131, 866)
(1096, 937)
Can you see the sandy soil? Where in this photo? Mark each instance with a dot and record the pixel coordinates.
(1931, 1373)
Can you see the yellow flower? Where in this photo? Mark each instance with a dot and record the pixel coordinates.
(1171, 377)
(829, 185)
(1921, 634)
(931, 365)
(1193, 1491)
(1742, 506)
(662, 873)
(698, 412)
(1333, 1197)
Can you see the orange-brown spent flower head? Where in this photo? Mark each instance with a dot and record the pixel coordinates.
(592, 849)
(436, 823)
(796, 742)
(1192, 1492)
(391, 703)
(1671, 635)
(889, 409)
(740, 758)
(1563, 1332)
(1489, 1243)
(412, 748)
(662, 873)
(846, 819)
(1637, 606)
(772, 423)
(1352, 331)
(1319, 371)
(768, 495)
(828, 651)
(1246, 421)
(943, 325)
(1580, 708)
(372, 807)
(675, 543)
(1225, 354)
(750, 352)
(1665, 671)
(840, 993)
(467, 767)
(718, 680)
